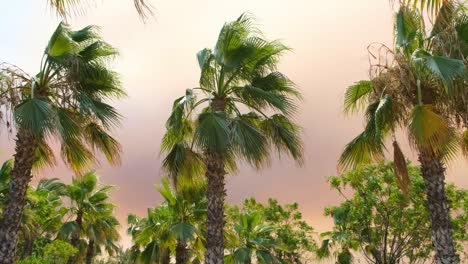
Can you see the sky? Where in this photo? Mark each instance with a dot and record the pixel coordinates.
(158, 62)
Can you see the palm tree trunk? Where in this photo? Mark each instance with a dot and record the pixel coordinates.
(215, 194)
(27, 248)
(433, 172)
(75, 238)
(166, 259)
(90, 252)
(20, 178)
(181, 252)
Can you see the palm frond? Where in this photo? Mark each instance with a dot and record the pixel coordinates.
(76, 155)
(231, 36)
(66, 8)
(247, 140)
(212, 132)
(445, 68)
(61, 42)
(428, 130)
(356, 95)
(284, 135)
(181, 161)
(444, 18)
(278, 83)
(464, 142)
(103, 142)
(367, 146)
(363, 149)
(261, 99)
(44, 156)
(67, 125)
(35, 115)
(401, 168)
(431, 6)
(407, 26)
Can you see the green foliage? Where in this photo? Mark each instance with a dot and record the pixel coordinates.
(46, 217)
(270, 231)
(56, 252)
(380, 222)
(179, 219)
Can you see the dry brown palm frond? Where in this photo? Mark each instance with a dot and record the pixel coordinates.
(380, 58)
(401, 169)
(67, 8)
(144, 9)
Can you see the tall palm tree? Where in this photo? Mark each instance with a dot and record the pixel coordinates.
(65, 101)
(43, 209)
(419, 86)
(91, 209)
(239, 74)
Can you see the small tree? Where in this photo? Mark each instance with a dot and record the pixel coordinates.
(381, 222)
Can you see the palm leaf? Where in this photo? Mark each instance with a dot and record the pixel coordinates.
(183, 231)
(44, 156)
(284, 135)
(103, 142)
(61, 42)
(428, 130)
(367, 146)
(464, 142)
(212, 132)
(248, 141)
(261, 99)
(242, 255)
(76, 155)
(35, 115)
(445, 68)
(408, 26)
(401, 169)
(356, 95)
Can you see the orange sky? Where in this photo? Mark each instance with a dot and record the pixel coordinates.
(158, 63)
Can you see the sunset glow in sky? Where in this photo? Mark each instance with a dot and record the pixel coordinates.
(158, 62)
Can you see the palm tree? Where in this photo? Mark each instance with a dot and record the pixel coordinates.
(239, 74)
(174, 226)
(90, 206)
(64, 101)
(152, 236)
(250, 239)
(43, 209)
(418, 86)
(101, 232)
(188, 210)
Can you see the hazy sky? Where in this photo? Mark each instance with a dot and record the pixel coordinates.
(158, 63)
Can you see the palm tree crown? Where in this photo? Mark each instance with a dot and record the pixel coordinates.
(239, 74)
(66, 99)
(419, 86)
